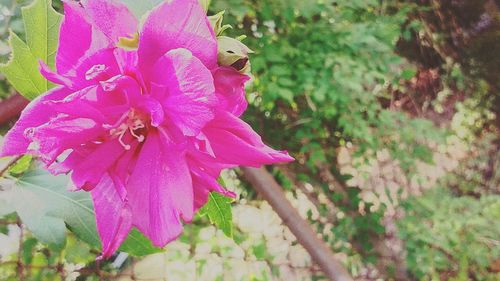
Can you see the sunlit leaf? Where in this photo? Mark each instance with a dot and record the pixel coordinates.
(22, 165)
(218, 210)
(41, 23)
(138, 245)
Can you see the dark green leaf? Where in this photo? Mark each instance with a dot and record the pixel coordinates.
(138, 245)
(218, 210)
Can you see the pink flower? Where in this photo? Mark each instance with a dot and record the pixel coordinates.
(146, 131)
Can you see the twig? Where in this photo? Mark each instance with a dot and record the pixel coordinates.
(98, 271)
(20, 265)
(12, 107)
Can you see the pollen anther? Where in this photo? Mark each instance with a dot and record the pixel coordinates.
(131, 125)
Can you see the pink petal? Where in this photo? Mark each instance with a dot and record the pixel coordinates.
(202, 145)
(191, 90)
(54, 77)
(120, 172)
(124, 90)
(203, 184)
(128, 61)
(90, 168)
(76, 27)
(155, 110)
(230, 90)
(177, 24)
(111, 17)
(93, 69)
(36, 114)
(234, 142)
(119, 90)
(61, 133)
(113, 216)
(160, 190)
(108, 102)
(78, 104)
(89, 70)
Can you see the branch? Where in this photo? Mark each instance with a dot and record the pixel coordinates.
(12, 107)
(266, 185)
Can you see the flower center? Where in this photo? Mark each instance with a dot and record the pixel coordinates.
(131, 122)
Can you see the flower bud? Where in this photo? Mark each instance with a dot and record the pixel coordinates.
(216, 22)
(233, 53)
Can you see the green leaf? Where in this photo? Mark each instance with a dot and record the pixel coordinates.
(260, 250)
(22, 69)
(41, 23)
(218, 210)
(42, 30)
(22, 165)
(408, 73)
(47, 207)
(77, 252)
(32, 211)
(138, 245)
(28, 247)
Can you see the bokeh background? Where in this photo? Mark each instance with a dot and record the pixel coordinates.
(390, 108)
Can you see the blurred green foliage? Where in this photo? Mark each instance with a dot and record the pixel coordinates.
(450, 235)
(320, 68)
(324, 74)
(478, 174)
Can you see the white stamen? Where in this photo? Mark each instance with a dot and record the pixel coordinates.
(138, 125)
(131, 125)
(120, 139)
(140, 138)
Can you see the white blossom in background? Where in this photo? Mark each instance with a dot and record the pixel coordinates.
(9, 244)
(268, 251)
